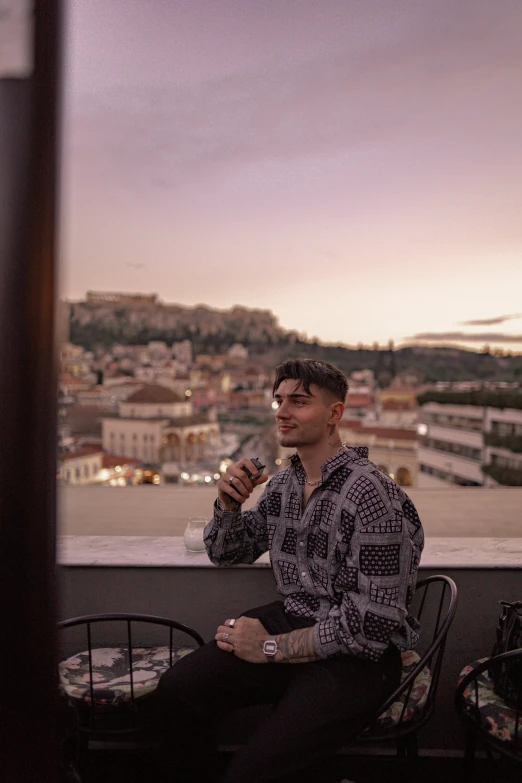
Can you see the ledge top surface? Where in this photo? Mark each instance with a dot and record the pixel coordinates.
(169, 551)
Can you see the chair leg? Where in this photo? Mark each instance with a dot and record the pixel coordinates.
(469, 755)
(489, 753)
(401, 748)
(82, 754)
(412, 747)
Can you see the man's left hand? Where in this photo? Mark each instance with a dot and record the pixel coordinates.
(245, 639)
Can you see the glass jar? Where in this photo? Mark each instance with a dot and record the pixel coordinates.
(193, 535)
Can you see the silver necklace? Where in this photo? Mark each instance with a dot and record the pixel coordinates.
(320, 481)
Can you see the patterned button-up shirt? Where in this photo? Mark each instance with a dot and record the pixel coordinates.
(348, 559)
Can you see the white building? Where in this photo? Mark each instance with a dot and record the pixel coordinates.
(362, 380)
(81, 466)
(155, 425)
(157, 371)
(238, 351)
(108, 395)
(74, 361)
(397, 413)
(182, 352)
(457, 441)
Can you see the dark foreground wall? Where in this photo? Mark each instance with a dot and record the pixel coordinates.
(203, 597)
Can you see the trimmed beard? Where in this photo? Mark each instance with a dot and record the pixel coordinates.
(295, 442)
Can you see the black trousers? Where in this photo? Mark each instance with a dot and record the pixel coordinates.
(318, 706)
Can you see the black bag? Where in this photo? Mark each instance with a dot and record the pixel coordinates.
(507, 675)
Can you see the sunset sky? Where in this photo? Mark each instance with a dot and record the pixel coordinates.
(353, 165)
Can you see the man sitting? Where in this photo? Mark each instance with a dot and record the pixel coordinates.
(345, 543)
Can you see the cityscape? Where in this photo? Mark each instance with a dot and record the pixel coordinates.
(161, 412)
(194, 193)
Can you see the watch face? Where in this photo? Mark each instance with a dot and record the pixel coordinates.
(270, 647)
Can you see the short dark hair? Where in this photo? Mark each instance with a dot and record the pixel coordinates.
(307, 371)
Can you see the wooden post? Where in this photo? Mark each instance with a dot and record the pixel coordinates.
(28, 185)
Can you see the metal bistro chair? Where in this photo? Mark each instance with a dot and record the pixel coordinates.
(110, 687)
(488, 718)
(412, 704)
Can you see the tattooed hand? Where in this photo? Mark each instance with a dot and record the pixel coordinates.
(245, 639)
(296, 647)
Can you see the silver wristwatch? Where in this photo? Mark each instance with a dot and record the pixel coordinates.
(270, 648)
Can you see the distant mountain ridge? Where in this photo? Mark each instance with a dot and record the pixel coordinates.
(105, 319)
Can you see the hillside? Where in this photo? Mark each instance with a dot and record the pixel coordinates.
(100, 324)
(434, 364)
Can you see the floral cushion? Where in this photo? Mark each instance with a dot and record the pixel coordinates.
(111, 673)
(111, 677)
(417, 698)
(493, 714)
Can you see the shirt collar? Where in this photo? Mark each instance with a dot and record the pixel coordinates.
(331, 464)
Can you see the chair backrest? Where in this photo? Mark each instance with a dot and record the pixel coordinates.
(469, 705)
(434, 605)
(129, 620)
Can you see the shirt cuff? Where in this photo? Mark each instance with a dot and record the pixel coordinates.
(325, 639)
(225, 516)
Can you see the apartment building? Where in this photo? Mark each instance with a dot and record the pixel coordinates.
(503, 446)
(470, 444)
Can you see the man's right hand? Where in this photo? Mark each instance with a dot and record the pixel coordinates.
(234, 486)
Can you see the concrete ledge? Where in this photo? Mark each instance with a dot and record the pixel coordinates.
(165, 551)
(146, 551)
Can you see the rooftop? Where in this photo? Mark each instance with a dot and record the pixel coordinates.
(112, 461)
(71, 380)
(154, 393)
(357, 401)
(482, 398)
(170, 421)
(84, 451)
(474, 512)
(398, 405)
(390, 433)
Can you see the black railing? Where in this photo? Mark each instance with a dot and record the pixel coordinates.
(483, 398)
(508, 477)
(509, 442)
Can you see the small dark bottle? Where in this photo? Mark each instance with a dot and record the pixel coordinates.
(259, 466)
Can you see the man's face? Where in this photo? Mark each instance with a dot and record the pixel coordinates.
(302, 419)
